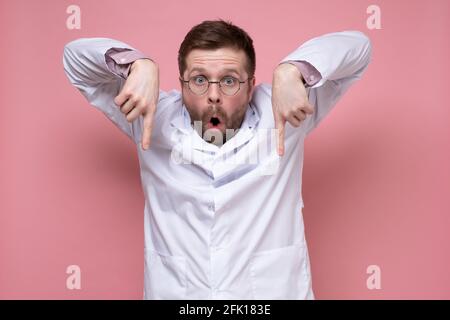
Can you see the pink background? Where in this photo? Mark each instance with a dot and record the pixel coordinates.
(376, 175)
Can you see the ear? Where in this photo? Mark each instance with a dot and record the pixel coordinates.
(252, 87)
(181, 83)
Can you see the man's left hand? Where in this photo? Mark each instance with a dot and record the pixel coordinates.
(289, 100)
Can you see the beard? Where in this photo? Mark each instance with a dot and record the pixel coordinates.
(215, 124)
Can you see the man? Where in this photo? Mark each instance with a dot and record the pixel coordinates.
(222, 204)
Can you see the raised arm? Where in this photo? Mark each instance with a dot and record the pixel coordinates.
(338, 60)
(118, 80)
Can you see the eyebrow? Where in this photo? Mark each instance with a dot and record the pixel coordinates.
(203, 70)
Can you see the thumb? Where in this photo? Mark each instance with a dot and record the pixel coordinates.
(147, 130)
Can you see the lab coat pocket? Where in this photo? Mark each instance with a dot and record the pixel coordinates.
(165, 276)
(280, 273)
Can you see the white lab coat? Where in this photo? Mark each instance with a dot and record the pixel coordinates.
(223, 223)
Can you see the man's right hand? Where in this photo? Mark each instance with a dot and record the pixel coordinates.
(139, 96)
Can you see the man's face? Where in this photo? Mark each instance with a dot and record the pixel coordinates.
(217, 111)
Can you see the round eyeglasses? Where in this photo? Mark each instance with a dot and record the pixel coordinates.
(200, 84)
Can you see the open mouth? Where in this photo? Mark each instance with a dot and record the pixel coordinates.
(214, 121)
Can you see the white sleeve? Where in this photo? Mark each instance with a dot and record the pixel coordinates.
(341, 58)
(85, 66)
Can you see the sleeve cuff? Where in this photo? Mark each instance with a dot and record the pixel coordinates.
(310, 75)
(119, 60)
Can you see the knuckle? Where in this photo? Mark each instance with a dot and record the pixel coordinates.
(295, 123)
(127, 107)
(146, 109)
(134, 99)
(291, 113)
(127, 93)
(143, 109)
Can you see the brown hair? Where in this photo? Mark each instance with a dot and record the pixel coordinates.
(215, 34)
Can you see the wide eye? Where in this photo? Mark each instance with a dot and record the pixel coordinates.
(199, 80)
(229, 81)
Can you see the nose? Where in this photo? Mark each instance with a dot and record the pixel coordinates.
(214, 93)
